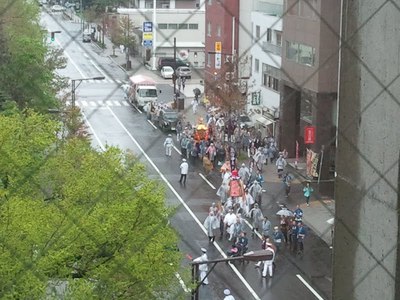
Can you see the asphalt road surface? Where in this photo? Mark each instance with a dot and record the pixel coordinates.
(113, 121)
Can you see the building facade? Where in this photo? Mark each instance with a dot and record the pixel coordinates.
(186, 26)
(309, 82)
(221, 39)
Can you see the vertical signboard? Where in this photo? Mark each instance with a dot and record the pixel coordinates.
(309, 135)
(218, 56)
(147, 36)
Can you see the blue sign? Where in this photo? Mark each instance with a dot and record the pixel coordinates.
(147, 43)
(147, 26)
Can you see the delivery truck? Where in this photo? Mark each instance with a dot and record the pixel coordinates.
(142, 90)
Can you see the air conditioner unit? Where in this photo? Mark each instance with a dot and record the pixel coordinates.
(164, 5)
(197, 5)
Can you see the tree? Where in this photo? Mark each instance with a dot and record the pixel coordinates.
(23, 53)
(91, 220)
(225, 92)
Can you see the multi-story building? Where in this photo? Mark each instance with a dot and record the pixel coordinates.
(179, 19)
(309, 80)
(265, 49)
(221, 38)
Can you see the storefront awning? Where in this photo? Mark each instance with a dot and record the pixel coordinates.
(264, 121)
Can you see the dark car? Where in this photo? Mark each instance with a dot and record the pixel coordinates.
(168, 119)
(245, 121)
(169, 61)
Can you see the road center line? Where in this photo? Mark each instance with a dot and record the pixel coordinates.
(151, 123)
(253, 293)
(206, 180)
(309, 287)
(177, 150)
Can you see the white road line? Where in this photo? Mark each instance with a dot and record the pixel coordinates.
(151, 123)
(251, 227)
(70, 59)
(84, 103)
(206, 180)
(109, 103)
(124, 103)
(137, 108)
(99, 69)
(93, 103)
(182, 283)
(222, 252)
(309, 287)
(93, 132)
(117, 103)
(177, 150)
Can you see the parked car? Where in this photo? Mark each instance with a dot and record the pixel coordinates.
(167, 119)
(169, 61)
(245, 121)
(167, 72)
(183, 72)
(86, 36)
(57, 8)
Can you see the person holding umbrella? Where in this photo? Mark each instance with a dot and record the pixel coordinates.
(307, 191)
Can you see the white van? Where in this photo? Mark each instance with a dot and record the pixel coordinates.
(86, 36)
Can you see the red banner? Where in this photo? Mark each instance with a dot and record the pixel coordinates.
(309, 135)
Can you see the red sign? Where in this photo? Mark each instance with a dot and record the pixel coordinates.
(309, 135)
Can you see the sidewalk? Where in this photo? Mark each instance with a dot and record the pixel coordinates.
(321, 209)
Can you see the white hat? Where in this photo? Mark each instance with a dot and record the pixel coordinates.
(243, 164)
(227, 292)
(169, 134)
(183, 159)
(203, 250)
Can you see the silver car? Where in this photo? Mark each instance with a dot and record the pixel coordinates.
(183, 72)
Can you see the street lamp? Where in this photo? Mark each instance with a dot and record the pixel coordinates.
(74, 86)
(258, 255)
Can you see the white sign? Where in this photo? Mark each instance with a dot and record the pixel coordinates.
(218, 60)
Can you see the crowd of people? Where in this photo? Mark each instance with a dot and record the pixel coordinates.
(242, 187)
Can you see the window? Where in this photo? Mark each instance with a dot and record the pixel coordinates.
(209, 29)
(162, 26)
(172, 26)
(300, 53)
(257, 32)
(292, 7)
(269, 35)
(218, 30)
(271, 77)
(183, 26)
(256, 65)
(209, 2)
(208, 60)
(278, 38)
(308, 8)
(193, 26)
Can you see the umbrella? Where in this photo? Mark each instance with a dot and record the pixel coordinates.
(331, 221)
(285, 212)
(197, 91)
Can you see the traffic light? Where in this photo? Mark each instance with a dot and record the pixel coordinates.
(53, 35)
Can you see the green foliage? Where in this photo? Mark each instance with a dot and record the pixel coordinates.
(24, 53)
(89, 220)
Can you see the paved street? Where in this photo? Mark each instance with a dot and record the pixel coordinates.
(113, 121)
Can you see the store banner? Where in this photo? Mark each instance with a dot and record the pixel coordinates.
(309, 135)
(312, 163)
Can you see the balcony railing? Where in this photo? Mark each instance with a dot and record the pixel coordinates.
(275, 49)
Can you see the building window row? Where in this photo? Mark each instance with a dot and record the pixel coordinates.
(159, 4)
(300, 53)
(191, 26)
(303, 8)
(271, 77)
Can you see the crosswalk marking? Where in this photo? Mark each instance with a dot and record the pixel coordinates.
(107, 80)
(109, 103)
